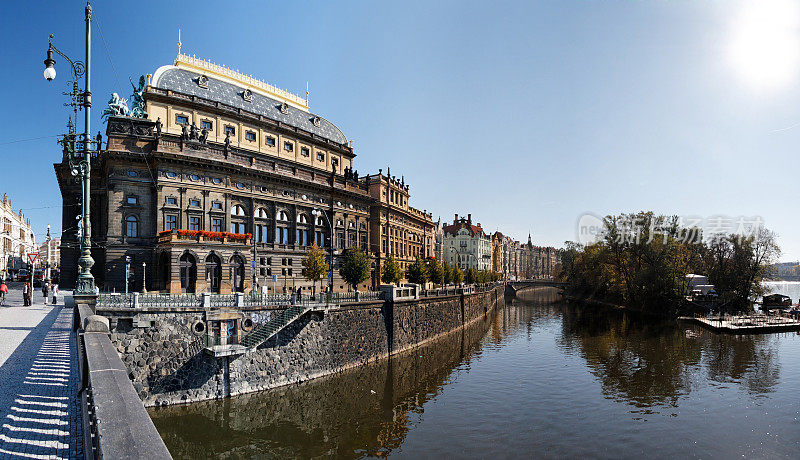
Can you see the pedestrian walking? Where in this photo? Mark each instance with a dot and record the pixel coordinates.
(55, 294)
(3, 292)
(45, 291)
(26, 294)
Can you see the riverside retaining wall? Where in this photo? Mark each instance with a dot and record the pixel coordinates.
(166, 363)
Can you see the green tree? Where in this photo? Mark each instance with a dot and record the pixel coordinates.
(355, 267)
(314, 265)
(458, 275)
(471, 275)
(447, 273)
(392, 274)
(417, 272)
(435, 271)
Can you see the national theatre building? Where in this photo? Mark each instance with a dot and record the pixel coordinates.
(222, 181)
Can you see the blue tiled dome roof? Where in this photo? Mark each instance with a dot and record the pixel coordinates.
(186, 82)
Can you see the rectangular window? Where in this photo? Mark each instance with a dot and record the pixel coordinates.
(182, 119)
(216, 206)
(238, 227)
(216, 225)
(207, 125)
(262, 233)
(270, 141)
(194, 203)
(250, 136)
(194, 223)
(288, 146)
(133, 199)
(320, 157)
(230, 130)
(340, 240)
(172, 200)
(290, 272)
(305, 152)
(334, 162)
(171, 222)
(283, 235)
(263, 272)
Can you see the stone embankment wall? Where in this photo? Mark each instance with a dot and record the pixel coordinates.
(166, 363)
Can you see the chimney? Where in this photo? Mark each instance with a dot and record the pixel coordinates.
(455, 219)
(469, 219)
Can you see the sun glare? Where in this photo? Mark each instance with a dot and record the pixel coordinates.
(765, 42)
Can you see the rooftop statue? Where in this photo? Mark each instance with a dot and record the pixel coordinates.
(117, 107)
(137, 99)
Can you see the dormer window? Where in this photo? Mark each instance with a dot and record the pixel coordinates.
(202, 81)
(284, 108)
(269, 141)
(230, 130)
(317, 121)
(194, 177)
(320, 157)
(305, 151)
(247, 95)
(250, 136)
(205, 124)
(181, 119)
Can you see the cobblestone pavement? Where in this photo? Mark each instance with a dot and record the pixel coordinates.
(39, 412)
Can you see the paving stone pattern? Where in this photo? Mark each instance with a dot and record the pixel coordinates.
(39, 412)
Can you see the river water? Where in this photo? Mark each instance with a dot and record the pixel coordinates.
(537, 378)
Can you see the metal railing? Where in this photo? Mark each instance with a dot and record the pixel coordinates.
(254, 299)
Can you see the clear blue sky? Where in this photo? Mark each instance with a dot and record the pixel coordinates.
(525, 114)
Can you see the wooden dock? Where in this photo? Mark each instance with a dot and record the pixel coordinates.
(747, 324)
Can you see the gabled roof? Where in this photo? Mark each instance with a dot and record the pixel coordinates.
(473, 229)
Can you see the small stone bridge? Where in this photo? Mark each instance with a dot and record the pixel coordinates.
(512, 287)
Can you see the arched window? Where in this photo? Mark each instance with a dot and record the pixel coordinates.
(320, 221)
(302, 219)
(213, 273)
(237, 273)
(282, 235)
(132, 227)
(262, 228)
(188, 272)
(238, 224)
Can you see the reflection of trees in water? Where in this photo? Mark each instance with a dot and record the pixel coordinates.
(751, 360)
(641, 361)
(647, 361)
(365, 411)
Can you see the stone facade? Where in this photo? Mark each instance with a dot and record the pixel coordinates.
(397, 228)
(163, 348)
(17, 238)
(227, 183)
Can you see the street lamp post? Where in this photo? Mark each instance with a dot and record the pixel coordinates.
(127, 272)
(85, 287)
